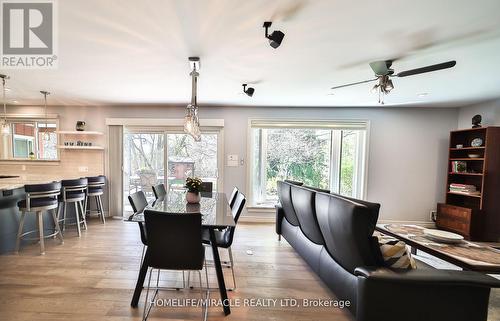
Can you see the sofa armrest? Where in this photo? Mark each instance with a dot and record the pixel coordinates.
(429, 276)
(280, 214)
(415, 295)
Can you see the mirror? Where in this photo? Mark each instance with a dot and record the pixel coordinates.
(30, 140)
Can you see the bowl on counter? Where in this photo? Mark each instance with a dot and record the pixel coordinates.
(474, 155)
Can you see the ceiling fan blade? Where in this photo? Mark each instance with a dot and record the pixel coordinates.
(354, 83)
(444, 65)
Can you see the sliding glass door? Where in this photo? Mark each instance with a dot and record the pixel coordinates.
(145, 152)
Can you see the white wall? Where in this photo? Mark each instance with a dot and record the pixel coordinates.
(489, 111)
(407, 151)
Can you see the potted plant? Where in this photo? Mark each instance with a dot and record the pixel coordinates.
(193, 185)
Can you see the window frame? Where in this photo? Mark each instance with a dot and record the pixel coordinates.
(34, 119)
(335, 125)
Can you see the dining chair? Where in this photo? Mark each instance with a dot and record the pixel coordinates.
(206, 187)
(232, 198)
(160, 192)
(139, 202)
(224, 238)
(174, 243)
(74, 192)
(39, 198)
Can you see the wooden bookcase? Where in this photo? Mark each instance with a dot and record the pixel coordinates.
(475, 216)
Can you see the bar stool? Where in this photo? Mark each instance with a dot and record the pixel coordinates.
(96, 189)
(39, 198)
(73, 191)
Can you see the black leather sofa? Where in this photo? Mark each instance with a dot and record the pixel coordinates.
(334, 235)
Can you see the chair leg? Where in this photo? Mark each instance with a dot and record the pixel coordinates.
(232, 267)
(206, 273)
(20, 231)
(204, 311)
(102, 210)
(146, 314)
(84, 219)
(142, 254)
(40, 232)
(77, 216)
(64, 216)
(85, 205)
(279, 237)
(56, 225)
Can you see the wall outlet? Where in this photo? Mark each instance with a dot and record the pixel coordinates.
(23, 167)
(232, 160)
(83, 169)
(433, 215)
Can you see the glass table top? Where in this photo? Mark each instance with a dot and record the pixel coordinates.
(214, 208)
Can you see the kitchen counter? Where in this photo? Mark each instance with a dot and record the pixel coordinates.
(12, 183)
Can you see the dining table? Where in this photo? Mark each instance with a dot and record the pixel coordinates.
(215, 213)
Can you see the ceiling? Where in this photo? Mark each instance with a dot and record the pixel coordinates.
(135, 52)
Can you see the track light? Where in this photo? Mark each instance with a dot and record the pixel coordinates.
(248, 91)
(275, 38)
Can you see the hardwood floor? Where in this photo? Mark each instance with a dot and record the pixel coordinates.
(92, 278)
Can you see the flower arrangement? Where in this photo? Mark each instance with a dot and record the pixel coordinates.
(193, 184)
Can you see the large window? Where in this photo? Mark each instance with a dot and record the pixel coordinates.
(327, 155)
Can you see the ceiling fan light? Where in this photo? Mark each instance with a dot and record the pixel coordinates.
(388, 85)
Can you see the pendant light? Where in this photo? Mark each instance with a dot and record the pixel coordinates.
(46, 134)
(4, 126)
(191, 120)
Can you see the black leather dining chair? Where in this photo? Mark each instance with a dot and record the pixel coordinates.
(224, 238)
(139, 202)
(232, 198)
(160, 192)
(174, 243)
(39, 198)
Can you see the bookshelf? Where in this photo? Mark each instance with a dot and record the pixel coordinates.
(473, 185)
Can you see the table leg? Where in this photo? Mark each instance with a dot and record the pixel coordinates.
(140, 281)
(220, 274)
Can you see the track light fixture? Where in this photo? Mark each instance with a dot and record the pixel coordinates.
(275, 38)
(248, 91)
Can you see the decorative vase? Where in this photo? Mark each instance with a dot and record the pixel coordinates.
(80, 125)
(193, 197)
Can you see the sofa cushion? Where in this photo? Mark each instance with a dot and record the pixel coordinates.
(347, 229)
(303, 200)
(285, 198)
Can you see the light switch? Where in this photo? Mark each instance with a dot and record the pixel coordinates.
(83, 169)
(233, 160)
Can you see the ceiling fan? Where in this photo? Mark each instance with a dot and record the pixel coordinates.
(384, 73)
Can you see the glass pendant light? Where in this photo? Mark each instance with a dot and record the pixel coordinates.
(4, 126)
(191, 120)
(46, 134)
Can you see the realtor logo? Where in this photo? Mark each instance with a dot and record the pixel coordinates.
(28, 35)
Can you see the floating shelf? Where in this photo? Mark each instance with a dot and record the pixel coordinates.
(80, 147)
(465, 194)
(467, 159)
(75, 132)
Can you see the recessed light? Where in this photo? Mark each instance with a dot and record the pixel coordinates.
(15, 101)
(422, 94)
(7, 89)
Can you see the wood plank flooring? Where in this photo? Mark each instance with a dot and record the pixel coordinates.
(93, 277)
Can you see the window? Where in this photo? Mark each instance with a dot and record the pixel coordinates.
(30, 139)
(327, 155)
